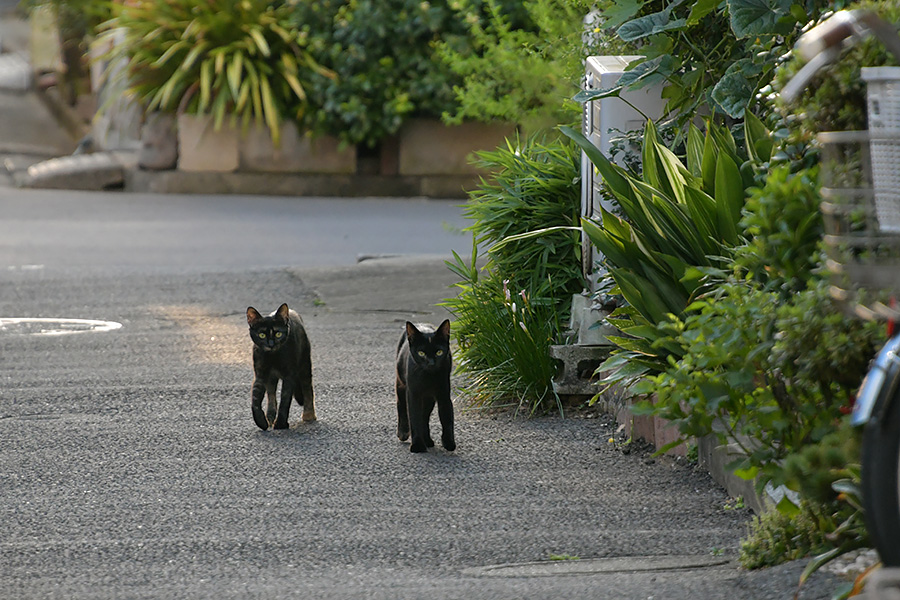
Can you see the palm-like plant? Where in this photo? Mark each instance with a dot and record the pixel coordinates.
(218, 57)
(682, 219)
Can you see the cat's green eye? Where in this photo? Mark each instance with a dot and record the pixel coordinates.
(439, 353)
(262, 336)
(278, 334)
(421, 353)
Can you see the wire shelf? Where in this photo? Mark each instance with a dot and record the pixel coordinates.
(862, 221)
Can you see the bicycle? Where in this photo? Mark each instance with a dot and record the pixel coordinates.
(860, 173)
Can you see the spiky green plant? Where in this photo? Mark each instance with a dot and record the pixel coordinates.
(510, 311)
(221, 57)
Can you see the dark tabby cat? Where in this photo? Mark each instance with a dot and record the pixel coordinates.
(423, 378)
(280, 351)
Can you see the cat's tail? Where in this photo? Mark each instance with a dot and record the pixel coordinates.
(402, 341)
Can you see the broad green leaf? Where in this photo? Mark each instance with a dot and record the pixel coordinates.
(748, 473)
(620, 11)
(733, 93)
(751, 18)
(700, 9)
(648, 25)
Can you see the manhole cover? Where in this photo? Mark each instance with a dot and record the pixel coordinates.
(29, 326)
(592, 566)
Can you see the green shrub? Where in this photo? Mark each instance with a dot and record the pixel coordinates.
(533, 186)
(521, 62)
(774, 538)
(383, 54)
(716, 56)
(784, 228)
(510, 311)
(503, 337)
(828, 520)
(769, 375)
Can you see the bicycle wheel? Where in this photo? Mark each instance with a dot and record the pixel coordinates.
(881, 480)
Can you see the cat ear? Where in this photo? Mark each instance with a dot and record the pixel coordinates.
(444, 329)
(282, 312)
(411, 331)
(252, 316)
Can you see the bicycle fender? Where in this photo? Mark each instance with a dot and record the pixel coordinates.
(881, 381)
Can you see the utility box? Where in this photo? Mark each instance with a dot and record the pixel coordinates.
(602, 120)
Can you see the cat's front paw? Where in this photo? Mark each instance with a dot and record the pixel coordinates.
(281, 424)
(429, 442)
(449, 443)
(418, 446)
(402, 434)
(308, 416)
(259, 417)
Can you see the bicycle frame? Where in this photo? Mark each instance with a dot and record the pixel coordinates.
(881, 382)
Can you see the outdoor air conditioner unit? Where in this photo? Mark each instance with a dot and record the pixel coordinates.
(602, 120)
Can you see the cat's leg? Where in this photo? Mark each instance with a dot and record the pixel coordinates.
(284, 409)
(256, 395)
(429, 408)
(402, 412)
(418, 422)
(304, 391)
(419, 415)
(445, 413)
(271, 399)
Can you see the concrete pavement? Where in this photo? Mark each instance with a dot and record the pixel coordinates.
(113, 489)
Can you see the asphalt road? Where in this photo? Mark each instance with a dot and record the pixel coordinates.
(130, 466)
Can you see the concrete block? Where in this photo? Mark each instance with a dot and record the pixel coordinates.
(159, 142)
(575, 375)
(202, 148)
(44, 46)
(643, 427)
(15, 73)
(295, 153)
(118, 125)
(589, 322)
(100, 171)
(715, 457)
(665, 433)
(429, 147)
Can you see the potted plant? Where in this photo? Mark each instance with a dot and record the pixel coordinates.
(235, 59)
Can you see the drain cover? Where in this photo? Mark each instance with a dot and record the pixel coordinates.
(29, 326)
(593, 566)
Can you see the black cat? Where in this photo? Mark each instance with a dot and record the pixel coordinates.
(423, 378)
(280, 351)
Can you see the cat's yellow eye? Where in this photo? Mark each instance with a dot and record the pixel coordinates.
(421, 353)
(439, 353)
(278, 334)
(262, 336)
